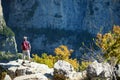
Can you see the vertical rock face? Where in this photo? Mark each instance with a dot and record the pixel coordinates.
(49, 23)
(1, 13)
(7, 38)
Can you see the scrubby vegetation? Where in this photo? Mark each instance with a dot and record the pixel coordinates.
(109, 49)
(6, 56)
(6, 31)
(110, 44)
(2, 73)
(45, 59)
(62, 53)
(84, 65)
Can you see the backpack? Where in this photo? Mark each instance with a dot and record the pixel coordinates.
(25, 45)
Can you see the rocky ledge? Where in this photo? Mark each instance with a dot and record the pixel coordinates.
(28, 71)
(62, 71)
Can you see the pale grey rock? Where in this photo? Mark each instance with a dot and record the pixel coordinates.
(21, 70)
(11, 68)
(7, 77)
(30, 70)
(63, 68)
(77, 76)
(11, 72)
(66, 70)
(37, 76)
(100, 70)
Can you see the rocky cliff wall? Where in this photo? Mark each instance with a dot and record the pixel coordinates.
(7, 37)
(49, 23)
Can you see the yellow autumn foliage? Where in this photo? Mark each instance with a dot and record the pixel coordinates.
(84, 65)
(110, 43)
(62, 53)
(45, 59)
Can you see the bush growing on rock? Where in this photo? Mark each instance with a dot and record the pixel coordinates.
(6, 31)
(110, 44)
(2, 73)
(45, 59)
(62, 53)
(7, 56)
(84, 65)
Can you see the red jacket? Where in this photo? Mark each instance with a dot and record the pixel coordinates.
(26, 45)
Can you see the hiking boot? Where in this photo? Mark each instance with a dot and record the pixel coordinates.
(23, 63)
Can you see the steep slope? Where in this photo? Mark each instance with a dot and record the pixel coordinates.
(49, 23)
(7, 37)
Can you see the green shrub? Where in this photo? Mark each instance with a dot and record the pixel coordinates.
(45, 59)
(6, 56)
(2, 73)
(84, 65)
(62, 53)
(6, 31)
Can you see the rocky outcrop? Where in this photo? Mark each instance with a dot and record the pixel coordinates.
(7, 77)
(101, 71)
(51, 23)
(28, 71)
(64, 71)
(8, 44)
(34, 71)
(7, 37)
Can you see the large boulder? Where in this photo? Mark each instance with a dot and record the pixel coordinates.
(62, 69)
(99, 70)
(65, 71)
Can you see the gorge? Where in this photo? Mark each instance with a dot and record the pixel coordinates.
(50, 23)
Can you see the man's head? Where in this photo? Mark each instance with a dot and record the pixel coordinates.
(25, 37)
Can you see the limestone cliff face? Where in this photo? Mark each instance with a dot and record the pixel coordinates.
(49, 23)
(7, 37)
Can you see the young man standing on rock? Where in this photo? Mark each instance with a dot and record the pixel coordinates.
(26, 48)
